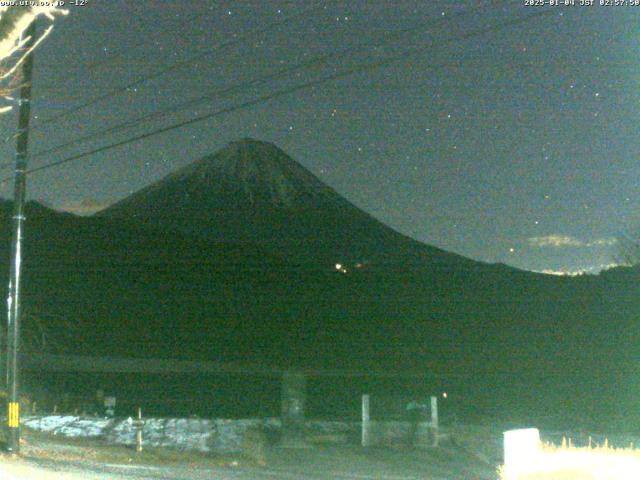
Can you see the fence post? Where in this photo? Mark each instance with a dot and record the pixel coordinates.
(434, 420)
(293, 406)
(139, 425)
(366, 421)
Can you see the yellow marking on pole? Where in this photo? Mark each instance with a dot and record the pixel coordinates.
(13, 417)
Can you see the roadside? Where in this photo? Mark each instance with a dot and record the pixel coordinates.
(45, 457)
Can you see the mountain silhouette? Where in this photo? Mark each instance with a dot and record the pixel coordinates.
(252, 192)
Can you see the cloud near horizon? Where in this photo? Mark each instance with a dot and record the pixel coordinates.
(560, 241)
(88, 206)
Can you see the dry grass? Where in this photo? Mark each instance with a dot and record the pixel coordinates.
(566, 462)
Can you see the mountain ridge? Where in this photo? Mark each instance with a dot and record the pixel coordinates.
(251, 191)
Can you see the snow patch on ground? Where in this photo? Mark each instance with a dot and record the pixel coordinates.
(204, 435)
(214, 435)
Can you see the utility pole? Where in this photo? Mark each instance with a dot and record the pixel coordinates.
(19, 193)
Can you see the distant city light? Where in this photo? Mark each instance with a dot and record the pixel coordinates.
(341, 268)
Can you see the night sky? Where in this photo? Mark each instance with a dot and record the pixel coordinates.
(519, 145)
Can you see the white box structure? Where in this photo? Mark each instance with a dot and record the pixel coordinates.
(521, 450)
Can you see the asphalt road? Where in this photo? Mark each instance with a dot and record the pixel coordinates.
(316, 464)
(26, 470)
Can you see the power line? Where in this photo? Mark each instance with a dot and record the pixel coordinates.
(389, 38)
(173, 66)
(193, 59)
(264, 98)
